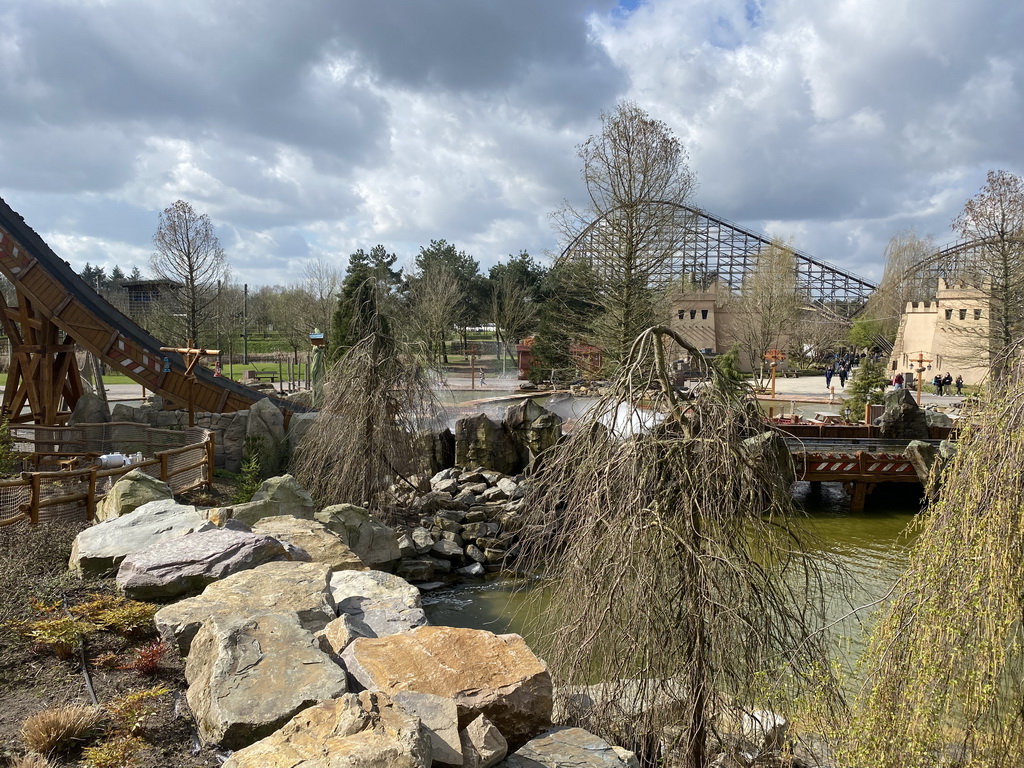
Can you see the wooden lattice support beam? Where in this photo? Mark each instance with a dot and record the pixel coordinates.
(43, 381)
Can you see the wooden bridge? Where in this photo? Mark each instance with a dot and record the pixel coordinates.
(859, 464)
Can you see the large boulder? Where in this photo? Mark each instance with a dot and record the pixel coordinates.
(922, 455)
(298, 427)
(769, 451)
(276, 496)
(248, 676)
(265, 435)
(377, 603)
(436, 450)
(187, 564)
(130, 492)
(367, 731)
(536, 429)
(482, 744)
(373, 542)
(569, 746)
(102, 547)
(483, 442)
(89, 409)
(322, 544)
(483, 673)
(902, 419)
(280, 587)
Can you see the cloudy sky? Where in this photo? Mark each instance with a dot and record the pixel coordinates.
(308, 129)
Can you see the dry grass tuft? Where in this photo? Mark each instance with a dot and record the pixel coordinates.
(53, 730)
(31, 760)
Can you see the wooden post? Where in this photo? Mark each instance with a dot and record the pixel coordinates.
(192, 356)
(920, 370)
(209, 460)
(472, 367)
(774, 357)
(867, 414)
(34, 499)
(90, 502)
(164, 474)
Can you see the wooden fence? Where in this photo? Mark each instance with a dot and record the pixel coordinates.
(68, 481)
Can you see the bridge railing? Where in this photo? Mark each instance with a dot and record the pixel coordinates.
(68, 481)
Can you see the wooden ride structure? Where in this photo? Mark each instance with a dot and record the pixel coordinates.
(54, 310)
(860, 470)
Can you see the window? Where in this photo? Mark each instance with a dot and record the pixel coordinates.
(949, 314)
(963, 314)
(977, 314)
(693, 314)
(682, 314)
(703, 314)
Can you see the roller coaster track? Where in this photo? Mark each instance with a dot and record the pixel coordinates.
(705, 247)
(52, 297)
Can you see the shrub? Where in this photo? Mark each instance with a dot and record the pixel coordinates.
(251, 476)
(31, 760)
(119, 614)
(146, 660)
(117, 752)
(60, 635)
(129, 712)
(54, 730)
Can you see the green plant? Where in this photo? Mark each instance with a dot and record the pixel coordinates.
(130, 712)
(55, 730)
(118, 751)
(867, 386)
(251, 476)
(60, 635)
(118, 614)
(8, 459)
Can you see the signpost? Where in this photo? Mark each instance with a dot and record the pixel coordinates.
(774, 357)
(920, 370)
(192, 356)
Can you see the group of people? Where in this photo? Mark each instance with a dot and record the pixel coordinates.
(942, 383)
(840, 369)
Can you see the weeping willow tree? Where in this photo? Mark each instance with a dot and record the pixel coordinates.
(678, 579)
(376, 401)
(944, 667)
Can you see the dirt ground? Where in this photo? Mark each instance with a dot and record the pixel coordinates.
(35, 585)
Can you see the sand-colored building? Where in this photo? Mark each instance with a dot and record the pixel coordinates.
(952, 332)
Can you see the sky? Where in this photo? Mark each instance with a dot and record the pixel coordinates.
(309, 129)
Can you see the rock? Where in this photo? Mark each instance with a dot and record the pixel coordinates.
(473, 531)
(448, 550)
(509, 487)
(378, 603)
(102, 547)
(283, 587)
(535, 428)
(476, 569)
(483, 673)
(275, 497)
(922, 455)
(766, 730)
(480, 440)
(449, 473)
(265, 435)
(373, 542)
(298, 427)
(937, 419)
(493, 494)
(450, 485)
(769, 450)
(364, 731)
(335, 637)
(902, 418)
(321, 544)
(89, 409)
(188, 563)
(439, 717)
(415, 570)
(566, 747)
(248, 676)
(436, 450)
(406, 546)
(130, 492)
(483, 745)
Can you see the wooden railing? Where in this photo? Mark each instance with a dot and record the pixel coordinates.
(43, 496)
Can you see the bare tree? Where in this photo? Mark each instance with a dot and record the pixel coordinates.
(768, 304)
(321, 281)
(903, 280)
(435, 304)
(636, 175)
(677, 574)
(995, 216)
(292, 318)
(188, 253)
(513, 310)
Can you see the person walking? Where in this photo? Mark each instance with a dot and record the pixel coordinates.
(959, 384)
(947, 383)
(897, 381)
(937, 383)
(842, 376)
(828, 375)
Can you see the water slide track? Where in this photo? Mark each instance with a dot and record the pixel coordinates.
(60, 295)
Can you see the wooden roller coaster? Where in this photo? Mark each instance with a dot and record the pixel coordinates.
(54, 310)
